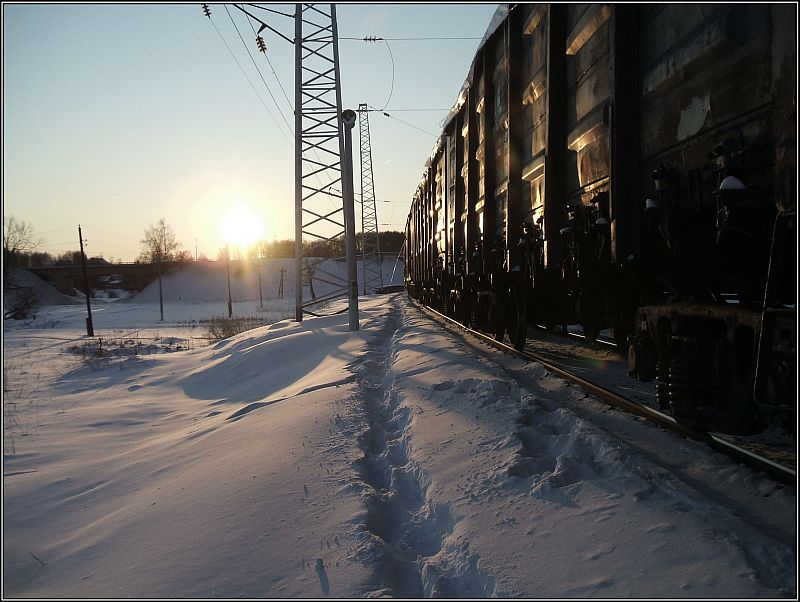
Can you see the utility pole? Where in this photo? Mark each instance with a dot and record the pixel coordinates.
(160, 257)
(228, 269)
(260, 296)
(348, 121)
(310, 274)
(280, 286)
(89, 325)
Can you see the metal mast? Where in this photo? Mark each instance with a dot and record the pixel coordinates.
(370, 241)
(319, 147)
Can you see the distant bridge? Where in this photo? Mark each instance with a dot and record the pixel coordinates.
(128, 276)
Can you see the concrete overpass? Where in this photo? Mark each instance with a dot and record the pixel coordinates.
(131, 276)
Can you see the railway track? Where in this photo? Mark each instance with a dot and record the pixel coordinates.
(777, 470)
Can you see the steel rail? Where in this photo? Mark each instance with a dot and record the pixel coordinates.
(779, 472)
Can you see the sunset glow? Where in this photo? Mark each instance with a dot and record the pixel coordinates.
(240, 226)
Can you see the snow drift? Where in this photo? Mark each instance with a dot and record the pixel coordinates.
(304, 460)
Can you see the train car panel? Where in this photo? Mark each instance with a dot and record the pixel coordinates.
(534, 102)
(588, 93)
(630, 167)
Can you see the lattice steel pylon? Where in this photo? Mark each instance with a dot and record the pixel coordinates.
(370, 237)
(319, 147)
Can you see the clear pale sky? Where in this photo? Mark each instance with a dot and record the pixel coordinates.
(117, 115)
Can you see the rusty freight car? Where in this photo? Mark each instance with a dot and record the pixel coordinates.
(628, 168)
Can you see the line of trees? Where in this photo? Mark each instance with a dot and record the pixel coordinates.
(159, 243)
(20, 248)
(390, 241)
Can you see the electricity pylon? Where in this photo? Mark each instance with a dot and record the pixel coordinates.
(319, 144)
(370, 238)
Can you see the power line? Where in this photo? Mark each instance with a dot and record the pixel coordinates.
(54, 244)
(405, 122)
(406, 110)
(391, 89)
(248, 80)
(266, 56)
(108, 244)
(431, 38)
(265, 25)
(112, 233)
(250, 54)
(37, 233)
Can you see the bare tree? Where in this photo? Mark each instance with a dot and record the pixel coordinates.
(159, 245)
(18, 241)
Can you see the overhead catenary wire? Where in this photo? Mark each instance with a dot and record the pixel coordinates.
(250, 54)
(412, 39)
(221, 37)
(320, 162)
(403, 122)
(404, 39)
(406, 110)
(291, 130)
(266, 56)
(391, 89)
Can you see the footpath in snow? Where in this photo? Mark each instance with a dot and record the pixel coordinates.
(303, 460)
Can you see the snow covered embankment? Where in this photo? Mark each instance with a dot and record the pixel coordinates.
(478, 488)
(304, 460)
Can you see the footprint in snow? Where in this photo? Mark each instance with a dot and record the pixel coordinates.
(662, 528)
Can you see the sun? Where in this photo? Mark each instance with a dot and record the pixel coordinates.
(240, 226)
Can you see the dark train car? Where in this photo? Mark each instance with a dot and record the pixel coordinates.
(630, 168)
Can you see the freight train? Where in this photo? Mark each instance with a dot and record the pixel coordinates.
(631, 169)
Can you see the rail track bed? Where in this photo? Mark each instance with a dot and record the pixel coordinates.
(602, 370)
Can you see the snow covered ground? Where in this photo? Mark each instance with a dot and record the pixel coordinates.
(304, 460)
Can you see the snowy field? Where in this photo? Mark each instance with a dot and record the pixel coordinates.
(304, 460)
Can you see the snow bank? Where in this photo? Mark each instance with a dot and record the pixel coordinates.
(303, 460)
(43, 292)
(207, 281)
(211, 473)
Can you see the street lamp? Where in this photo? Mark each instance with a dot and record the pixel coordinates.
(349, 120)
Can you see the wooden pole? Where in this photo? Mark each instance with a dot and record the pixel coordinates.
(89, 325)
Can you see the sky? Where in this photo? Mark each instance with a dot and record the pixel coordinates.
(115, 116)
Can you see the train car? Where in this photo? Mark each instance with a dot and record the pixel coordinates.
(628, 168)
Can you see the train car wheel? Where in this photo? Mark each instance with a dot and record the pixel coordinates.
(464, 312)
(517, 318)
(621, 324)
(591, 332)
(496, 325)
(498, 328)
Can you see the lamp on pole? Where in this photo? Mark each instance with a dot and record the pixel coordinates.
(348, 121)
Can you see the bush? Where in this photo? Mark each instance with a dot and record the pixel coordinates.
(223, 328)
